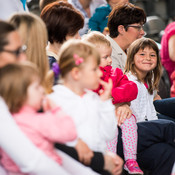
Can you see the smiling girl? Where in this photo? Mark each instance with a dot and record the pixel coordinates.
(143, 66)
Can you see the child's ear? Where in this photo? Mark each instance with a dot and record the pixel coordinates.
(121, 29)
(75, 73)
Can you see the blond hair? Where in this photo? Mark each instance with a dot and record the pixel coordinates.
(68, 51)
(15, 80)
(74, 47)
(34, 35)
(96, 38)
(152, 77)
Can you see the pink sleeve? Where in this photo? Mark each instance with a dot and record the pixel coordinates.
(172, 90)
(123, 89)
(58, 127)
(168, 32)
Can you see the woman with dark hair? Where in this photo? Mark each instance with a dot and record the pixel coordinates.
(125, 23)
(63, 22)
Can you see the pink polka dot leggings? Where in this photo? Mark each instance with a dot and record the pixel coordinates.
(129, 138)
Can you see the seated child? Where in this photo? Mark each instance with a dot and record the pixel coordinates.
(123, 91)
(143, 67)
(22, 91)
(94, 115)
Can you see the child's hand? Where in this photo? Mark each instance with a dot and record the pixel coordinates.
(157, 97)
(106, 93)
(122, 112)
(113, 163)
(48, 104)
(84, 153)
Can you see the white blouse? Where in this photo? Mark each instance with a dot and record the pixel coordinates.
(142, 107)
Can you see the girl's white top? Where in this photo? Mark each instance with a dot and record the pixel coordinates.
(95, 119)
(142, 107)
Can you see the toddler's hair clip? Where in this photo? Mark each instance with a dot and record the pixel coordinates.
(78, 60)
(56, 69)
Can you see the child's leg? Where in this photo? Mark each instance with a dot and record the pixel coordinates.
(129, 137)
(111, 145)
(74, 167)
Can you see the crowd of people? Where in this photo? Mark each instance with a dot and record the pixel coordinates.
(79, 91)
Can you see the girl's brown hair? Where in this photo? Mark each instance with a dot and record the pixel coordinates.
(34, 35)
(152, 77)
(15, 80)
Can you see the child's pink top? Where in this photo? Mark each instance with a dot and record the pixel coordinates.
(165, 58)
(173, 84)
(43, 129)
(123, 90)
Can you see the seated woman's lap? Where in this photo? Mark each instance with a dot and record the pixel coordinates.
(161, 116)
(166, 107)
(158, 159)
(154, 138)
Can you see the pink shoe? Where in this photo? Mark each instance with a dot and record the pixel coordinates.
(132, 167)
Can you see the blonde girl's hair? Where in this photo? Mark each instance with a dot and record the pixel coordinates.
(152, 77)
(82, 49)
(70, 51)
(96, 38)
(15, 80)
(34, 35)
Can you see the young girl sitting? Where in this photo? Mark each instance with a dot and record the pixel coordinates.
(143, 66)
(22, 91)
(93, 115)
(146, 72)
(123, 91)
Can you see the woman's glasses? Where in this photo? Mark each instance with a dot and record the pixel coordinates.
(139, 27)
(16, 52)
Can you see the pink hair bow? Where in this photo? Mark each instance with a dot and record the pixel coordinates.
(78, 60)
